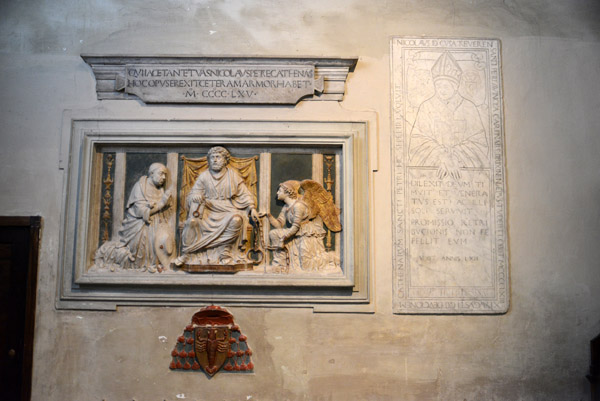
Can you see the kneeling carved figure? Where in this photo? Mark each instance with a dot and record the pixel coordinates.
(297, 240)
(145, 241)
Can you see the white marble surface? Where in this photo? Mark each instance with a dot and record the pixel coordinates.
(449, 188)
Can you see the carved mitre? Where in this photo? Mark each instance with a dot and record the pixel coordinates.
(446, 67)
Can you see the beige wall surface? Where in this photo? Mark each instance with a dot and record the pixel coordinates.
(539, 350)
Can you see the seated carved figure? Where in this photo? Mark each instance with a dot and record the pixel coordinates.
(297, 240)
(219, 207)
(145, 240)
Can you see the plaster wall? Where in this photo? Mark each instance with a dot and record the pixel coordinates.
(539, 350)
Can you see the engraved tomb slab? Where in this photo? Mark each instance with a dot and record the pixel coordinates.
(450, 250)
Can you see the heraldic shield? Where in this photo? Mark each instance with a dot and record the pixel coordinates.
(212, 341)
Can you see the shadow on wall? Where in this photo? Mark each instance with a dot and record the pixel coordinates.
(594, 376)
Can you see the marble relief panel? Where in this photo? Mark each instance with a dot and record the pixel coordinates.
(213, 211)
(160, 212)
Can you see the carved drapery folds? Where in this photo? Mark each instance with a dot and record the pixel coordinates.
(147, 234)
(192, 167)
(218, 226)
(297, 240)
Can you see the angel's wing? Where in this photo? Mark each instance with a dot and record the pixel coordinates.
(320, 202)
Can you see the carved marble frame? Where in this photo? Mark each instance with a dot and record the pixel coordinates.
(78, 290)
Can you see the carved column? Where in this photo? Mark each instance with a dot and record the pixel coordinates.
(264, 198)
(172, 164)
(317, 167)
(119, 192)
(337, 199)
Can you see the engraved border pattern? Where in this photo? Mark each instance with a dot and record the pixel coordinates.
(499, 249)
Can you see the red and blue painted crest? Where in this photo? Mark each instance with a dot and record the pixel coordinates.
(210, 342)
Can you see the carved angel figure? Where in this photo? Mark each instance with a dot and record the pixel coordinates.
(297, 239)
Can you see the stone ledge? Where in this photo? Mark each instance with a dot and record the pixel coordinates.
(329, 76)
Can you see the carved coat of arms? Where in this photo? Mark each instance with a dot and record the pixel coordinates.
(212, 341)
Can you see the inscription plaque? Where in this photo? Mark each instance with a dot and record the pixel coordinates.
(210, 83)
(449, 189)
(220, 80)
